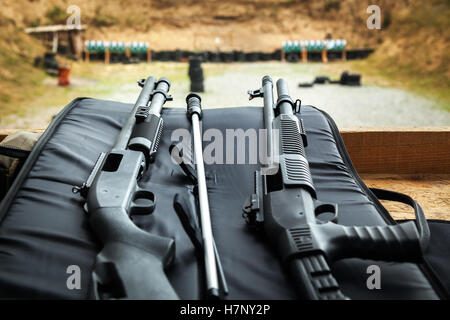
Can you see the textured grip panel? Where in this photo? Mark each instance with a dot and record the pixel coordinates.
(390, 243)
(157, 140)
(293, 163)
(297, 170)
(302, 238)
(314, 278)
(291, 141)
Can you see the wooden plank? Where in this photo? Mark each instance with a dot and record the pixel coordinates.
(76, 43)
(107, 55)
(324, 55)
(431, 191)
(304, 54)
(55, 42)
(399, 149)
(149, 55)
(54, 28)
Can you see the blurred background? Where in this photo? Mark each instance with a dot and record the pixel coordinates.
(54, 51)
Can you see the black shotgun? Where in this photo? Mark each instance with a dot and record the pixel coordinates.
(285, 204)
(131, 263)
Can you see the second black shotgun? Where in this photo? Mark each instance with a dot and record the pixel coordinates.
(285, 205)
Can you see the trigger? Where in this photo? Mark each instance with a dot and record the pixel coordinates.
(326, 211)
(143, 203)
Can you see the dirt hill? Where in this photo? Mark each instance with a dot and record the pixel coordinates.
(248, 24)
(416, 49)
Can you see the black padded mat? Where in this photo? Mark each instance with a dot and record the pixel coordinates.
(44, 229)
(438, 252)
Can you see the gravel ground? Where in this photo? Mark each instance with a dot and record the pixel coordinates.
(349, 106)
(227, 84)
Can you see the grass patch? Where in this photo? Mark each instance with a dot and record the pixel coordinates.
(19, 79)
(332, 5)
(101, 19)
(432, 86)
(56, 15)
(416, 57)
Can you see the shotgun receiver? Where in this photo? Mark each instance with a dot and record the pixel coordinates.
(131, 263)
(285, 205)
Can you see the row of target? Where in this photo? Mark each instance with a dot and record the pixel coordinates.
(314, 45)
(115, 46)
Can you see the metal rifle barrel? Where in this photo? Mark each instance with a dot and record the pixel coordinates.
(267, 87)
(159, 98)
(143, 99)
(212, 281)
(283, 92)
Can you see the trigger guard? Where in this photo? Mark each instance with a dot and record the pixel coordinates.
(321, 208)
(143, 209)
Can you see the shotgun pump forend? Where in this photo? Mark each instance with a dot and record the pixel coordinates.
(131, 262)
(149, 124)
(285, 206)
